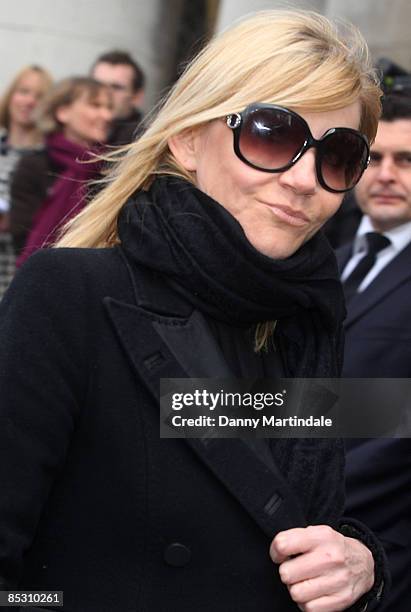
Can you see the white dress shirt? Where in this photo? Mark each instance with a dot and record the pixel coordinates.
(400, 237)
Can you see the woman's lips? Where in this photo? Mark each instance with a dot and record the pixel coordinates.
(289, 215)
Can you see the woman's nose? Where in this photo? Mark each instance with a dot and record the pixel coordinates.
(302, 176)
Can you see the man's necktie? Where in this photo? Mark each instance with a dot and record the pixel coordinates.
(375, 243)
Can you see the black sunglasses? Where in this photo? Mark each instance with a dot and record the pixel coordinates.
(273, 138)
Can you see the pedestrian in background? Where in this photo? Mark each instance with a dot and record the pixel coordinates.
(49, 185)
(119, 71)
(19, 136)
(376, 275)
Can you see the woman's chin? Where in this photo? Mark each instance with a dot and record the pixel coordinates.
(276, 244)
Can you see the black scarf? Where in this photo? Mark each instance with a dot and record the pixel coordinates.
(181, 232)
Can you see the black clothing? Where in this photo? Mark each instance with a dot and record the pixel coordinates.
(124, 131)
(238, 348)
(378, 345)
(375, 243)
(32, 180)
(378, 324)
(170, 230)
(93, 502)
(342, 227)
(378, 493)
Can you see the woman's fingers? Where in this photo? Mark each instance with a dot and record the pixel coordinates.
(327, 604)
(300, 540)
(305, 567)
(322, 569)
(314, 588)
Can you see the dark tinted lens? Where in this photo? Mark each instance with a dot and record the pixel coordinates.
(343, 159)
(270, 139)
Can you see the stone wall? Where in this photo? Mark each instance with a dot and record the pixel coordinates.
(65, 37)
(386, 24)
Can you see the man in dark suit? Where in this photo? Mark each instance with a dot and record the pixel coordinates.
(376, 274)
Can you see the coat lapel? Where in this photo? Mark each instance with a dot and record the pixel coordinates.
(395, 273)
(163, 329)
(185, 340)
(160, 346)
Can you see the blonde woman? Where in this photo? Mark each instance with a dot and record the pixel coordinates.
(19, 136)
(205, 236)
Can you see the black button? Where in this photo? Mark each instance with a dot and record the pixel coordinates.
(177, 555)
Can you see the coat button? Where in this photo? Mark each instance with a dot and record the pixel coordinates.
(177, 555)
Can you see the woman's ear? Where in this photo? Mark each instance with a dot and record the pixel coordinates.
(184, 148)
(62, 114)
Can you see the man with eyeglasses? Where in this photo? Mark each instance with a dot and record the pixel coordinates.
(376, 275)
(119, 71)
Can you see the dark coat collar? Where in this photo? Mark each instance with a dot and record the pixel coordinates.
(164, 337)
(393, 275)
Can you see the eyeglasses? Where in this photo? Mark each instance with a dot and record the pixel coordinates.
(272, 139)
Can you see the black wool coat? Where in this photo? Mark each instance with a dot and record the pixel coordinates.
(92, 501)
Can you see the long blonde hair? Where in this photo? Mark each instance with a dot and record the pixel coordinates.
(292, 58)
(7, 95)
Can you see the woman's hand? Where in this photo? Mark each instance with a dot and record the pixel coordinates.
(330, 571)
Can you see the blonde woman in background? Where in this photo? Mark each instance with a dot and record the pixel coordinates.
(206, 234)
(18, 136)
